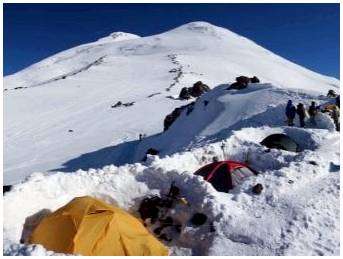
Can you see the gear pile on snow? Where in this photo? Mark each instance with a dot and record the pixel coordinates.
(159, 214)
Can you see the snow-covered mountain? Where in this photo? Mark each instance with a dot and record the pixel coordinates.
(60, 116)
(75, 89)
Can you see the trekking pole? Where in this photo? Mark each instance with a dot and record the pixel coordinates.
(223, 149)
(247, 157)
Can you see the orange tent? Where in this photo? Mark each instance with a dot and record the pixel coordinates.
(88, 226)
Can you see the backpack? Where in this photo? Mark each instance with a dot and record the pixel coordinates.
(149, 208)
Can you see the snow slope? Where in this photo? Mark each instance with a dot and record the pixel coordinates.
(227, 110)
(60, 108)
(296, 213)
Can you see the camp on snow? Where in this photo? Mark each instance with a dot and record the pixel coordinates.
(88, 226)
(281, 141)
(225, 175)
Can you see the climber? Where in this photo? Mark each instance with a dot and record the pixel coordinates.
(302, 114)
(312, 111)
(335, 117)
(290, 113)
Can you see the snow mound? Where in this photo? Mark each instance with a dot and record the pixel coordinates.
(286, 219)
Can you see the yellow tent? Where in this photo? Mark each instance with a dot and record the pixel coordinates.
(330, 107)
(88, 226)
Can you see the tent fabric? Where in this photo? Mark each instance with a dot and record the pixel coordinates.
(281, 141)
(239, 175)
(225, 175)
(88, 226)
(329, 107)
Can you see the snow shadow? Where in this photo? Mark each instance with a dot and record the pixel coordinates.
(114, 155)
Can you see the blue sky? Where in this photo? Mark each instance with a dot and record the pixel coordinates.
(307, 34)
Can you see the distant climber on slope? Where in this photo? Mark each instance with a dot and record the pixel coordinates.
(312, 111)
(302, 114)
(290, 113)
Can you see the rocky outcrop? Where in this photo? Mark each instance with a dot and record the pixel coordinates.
(242, 82)
(196, 90)
(170, 118)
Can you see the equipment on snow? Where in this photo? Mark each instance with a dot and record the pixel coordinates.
(257, 189)
(198, 219)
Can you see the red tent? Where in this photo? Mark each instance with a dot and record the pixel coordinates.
(225, 175)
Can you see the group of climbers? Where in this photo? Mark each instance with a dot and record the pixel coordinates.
(291, 111)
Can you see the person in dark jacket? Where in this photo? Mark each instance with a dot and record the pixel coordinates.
(312, 111)
(337, 101)
(302, 114)
(290, 113)
(335, 117)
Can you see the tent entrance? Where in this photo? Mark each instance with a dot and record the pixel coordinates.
(220, 179)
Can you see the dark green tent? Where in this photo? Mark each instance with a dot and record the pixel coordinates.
(6, 188)
(281, 141)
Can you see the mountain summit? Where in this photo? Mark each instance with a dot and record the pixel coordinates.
(118, 36)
